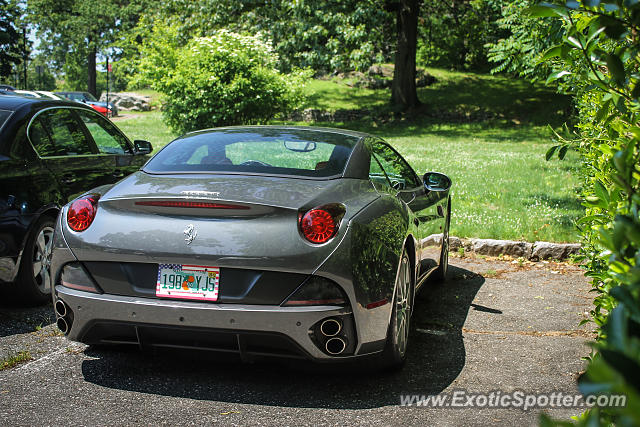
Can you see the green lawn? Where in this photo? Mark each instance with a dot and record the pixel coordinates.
(503, 187)
(511, 100)
(148, 126)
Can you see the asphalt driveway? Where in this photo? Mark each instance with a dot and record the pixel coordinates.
(494, 326)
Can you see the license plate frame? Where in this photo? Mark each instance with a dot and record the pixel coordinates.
(196, 282)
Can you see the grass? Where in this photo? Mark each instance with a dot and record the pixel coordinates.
(503, 188)
(15, 359)
(331, 95)
(514, 100)
(490, 273)
(148, 126)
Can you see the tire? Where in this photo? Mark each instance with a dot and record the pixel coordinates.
(395, 352)
(440, 275)
(33, 286)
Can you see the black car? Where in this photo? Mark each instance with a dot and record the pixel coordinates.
(50, 153)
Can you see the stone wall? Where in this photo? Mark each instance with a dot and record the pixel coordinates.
(127, 101)
(532, 251)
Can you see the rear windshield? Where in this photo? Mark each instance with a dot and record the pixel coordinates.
(297, 152)
(4, 115)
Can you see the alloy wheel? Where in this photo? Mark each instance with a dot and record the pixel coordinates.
(403, 306)
(42, 258)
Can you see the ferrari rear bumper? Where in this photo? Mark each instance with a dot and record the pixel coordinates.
(260, 329)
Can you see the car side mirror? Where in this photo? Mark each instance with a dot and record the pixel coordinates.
(142, 147)
(435, 181)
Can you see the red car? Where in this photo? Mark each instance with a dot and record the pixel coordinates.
(102, 110)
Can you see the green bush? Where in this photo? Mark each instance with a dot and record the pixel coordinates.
(598, 59)
(225, 79)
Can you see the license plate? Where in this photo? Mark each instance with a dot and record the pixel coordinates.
(194, 282)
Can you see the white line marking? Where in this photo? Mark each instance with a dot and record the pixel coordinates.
(38, 364)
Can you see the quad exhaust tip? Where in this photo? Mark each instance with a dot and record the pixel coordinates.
(335, 346)
(62, 325)
(330, 327)
(60, 308)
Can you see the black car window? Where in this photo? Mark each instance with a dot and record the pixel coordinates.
(105, 135)
(377, 175)
(56, 132)
(4, 115)
(398, 171)
(73, 96)
(41, 140)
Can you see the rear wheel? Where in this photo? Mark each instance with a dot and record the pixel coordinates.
(33, 282)
(395, 353)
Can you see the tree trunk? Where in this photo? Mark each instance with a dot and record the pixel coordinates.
(403, 89)
(91, 70)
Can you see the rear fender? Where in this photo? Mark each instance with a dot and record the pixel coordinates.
(365, 265)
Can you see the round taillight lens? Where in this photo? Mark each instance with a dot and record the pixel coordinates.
(82, 212)
(318, 226)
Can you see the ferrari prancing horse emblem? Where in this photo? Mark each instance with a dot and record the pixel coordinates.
(190, 233)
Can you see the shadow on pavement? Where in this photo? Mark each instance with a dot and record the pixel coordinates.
(435, 358)
(16, 318)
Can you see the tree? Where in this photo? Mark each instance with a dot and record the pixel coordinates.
(324, 35)
(455, 33)
(403, 88)
(10, 38)
(82, 27)
(526, 39)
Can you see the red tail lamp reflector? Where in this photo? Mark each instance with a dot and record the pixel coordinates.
(318, 226)
(82, 212)
(376, 304)
(176, 204)
(75, 277)
(317, 291)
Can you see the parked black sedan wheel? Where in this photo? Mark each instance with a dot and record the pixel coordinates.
(33, 284)
(395, 353)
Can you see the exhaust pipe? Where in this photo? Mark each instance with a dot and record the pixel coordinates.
(335, 346)
(62, 325)
(330, 327)
(61, 308)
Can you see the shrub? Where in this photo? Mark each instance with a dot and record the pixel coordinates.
(225, 79)
(598, 59)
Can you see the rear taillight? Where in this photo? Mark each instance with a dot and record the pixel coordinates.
(82, 211)
(320, 224)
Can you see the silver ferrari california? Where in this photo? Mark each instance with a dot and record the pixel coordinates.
(285, 241)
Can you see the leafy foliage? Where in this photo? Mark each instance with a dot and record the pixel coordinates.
(327, 35)
(74, 32)
(224, 79)
(598, 59)
(10, 49)
(455, 34)
(528, 38)
(43, 81)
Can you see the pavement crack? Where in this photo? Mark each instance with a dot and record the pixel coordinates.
(566, 333)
